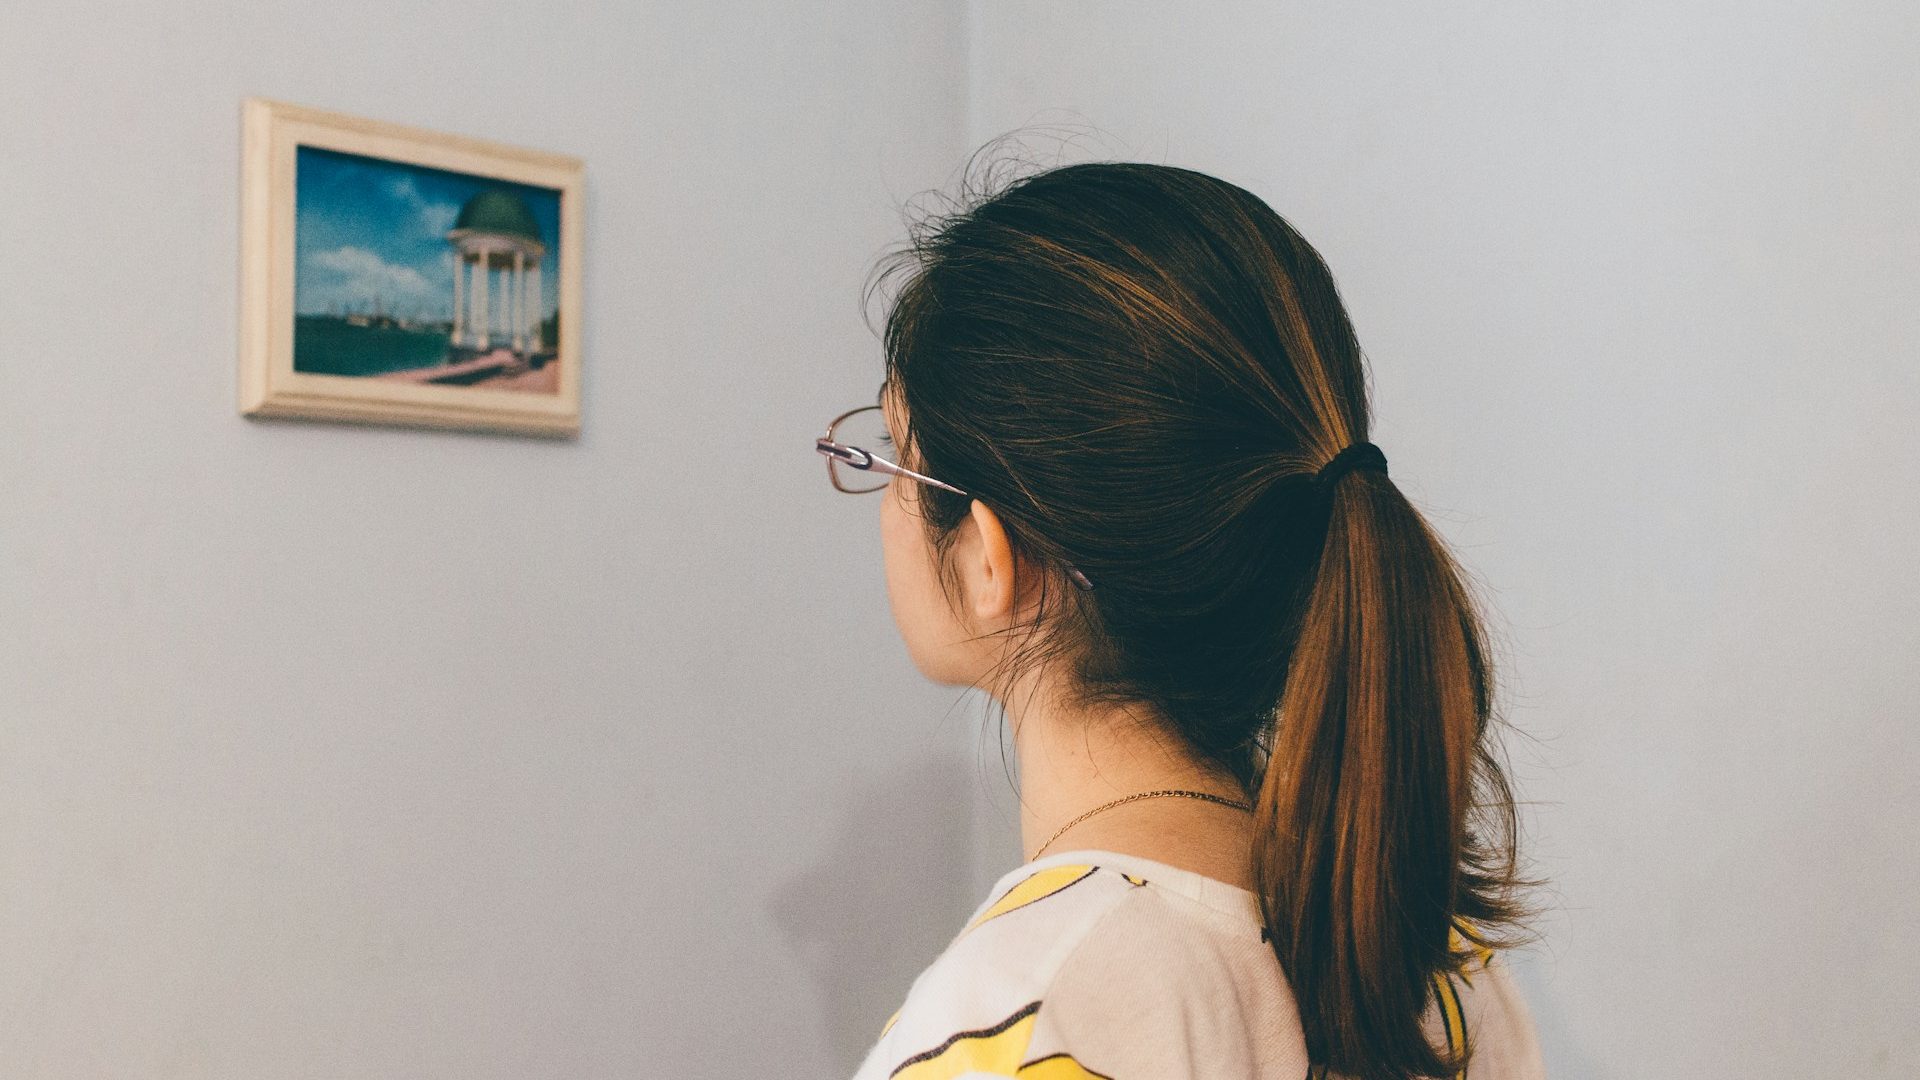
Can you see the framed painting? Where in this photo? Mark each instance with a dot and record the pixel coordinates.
(393, 275)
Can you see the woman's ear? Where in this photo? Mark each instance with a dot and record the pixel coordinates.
(989, 566)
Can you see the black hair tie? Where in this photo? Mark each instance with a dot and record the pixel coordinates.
(1361, 455)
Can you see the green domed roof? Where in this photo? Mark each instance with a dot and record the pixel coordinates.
(498, 211)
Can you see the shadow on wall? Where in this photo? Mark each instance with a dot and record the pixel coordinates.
(892, 890)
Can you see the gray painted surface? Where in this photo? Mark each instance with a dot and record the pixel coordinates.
(363, 752)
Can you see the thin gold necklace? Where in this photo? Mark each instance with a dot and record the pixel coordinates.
(1142, 795)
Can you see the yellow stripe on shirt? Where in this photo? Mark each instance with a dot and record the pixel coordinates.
(1035, 887)
(1456, 1019)
(995, 1051)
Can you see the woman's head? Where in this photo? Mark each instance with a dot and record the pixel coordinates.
(1136, 370)
(1100, 355)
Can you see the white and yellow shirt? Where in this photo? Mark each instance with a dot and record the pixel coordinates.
(1097, 964)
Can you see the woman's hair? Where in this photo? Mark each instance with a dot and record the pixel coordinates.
(1140, 368)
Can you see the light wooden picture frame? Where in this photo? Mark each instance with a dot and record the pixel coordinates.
(394, 275)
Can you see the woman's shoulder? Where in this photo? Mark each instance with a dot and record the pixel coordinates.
(1058, 959)
(1015, 941)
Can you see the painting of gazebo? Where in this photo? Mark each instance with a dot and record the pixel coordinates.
(403, 272)
(395, 275)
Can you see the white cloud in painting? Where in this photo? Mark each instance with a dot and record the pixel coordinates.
(434, 218)
(363, 276)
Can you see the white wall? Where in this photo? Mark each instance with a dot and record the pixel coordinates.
(1637, 283)
(363, 752)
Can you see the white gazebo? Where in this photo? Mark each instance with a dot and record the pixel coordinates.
(496, 232)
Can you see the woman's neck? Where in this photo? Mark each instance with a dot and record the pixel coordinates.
(1071, 761)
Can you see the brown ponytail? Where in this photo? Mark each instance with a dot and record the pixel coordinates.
(1141, 368)
(1367, 861)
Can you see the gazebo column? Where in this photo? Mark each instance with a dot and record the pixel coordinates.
(482, 329)
(506, 302)
(519, 301)
(459, 314)
(533, 307)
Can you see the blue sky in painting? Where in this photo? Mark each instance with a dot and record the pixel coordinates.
(367, 228)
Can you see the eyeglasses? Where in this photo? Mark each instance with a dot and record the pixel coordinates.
(853, 446)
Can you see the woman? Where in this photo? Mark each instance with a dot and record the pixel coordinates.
(1128, 491)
